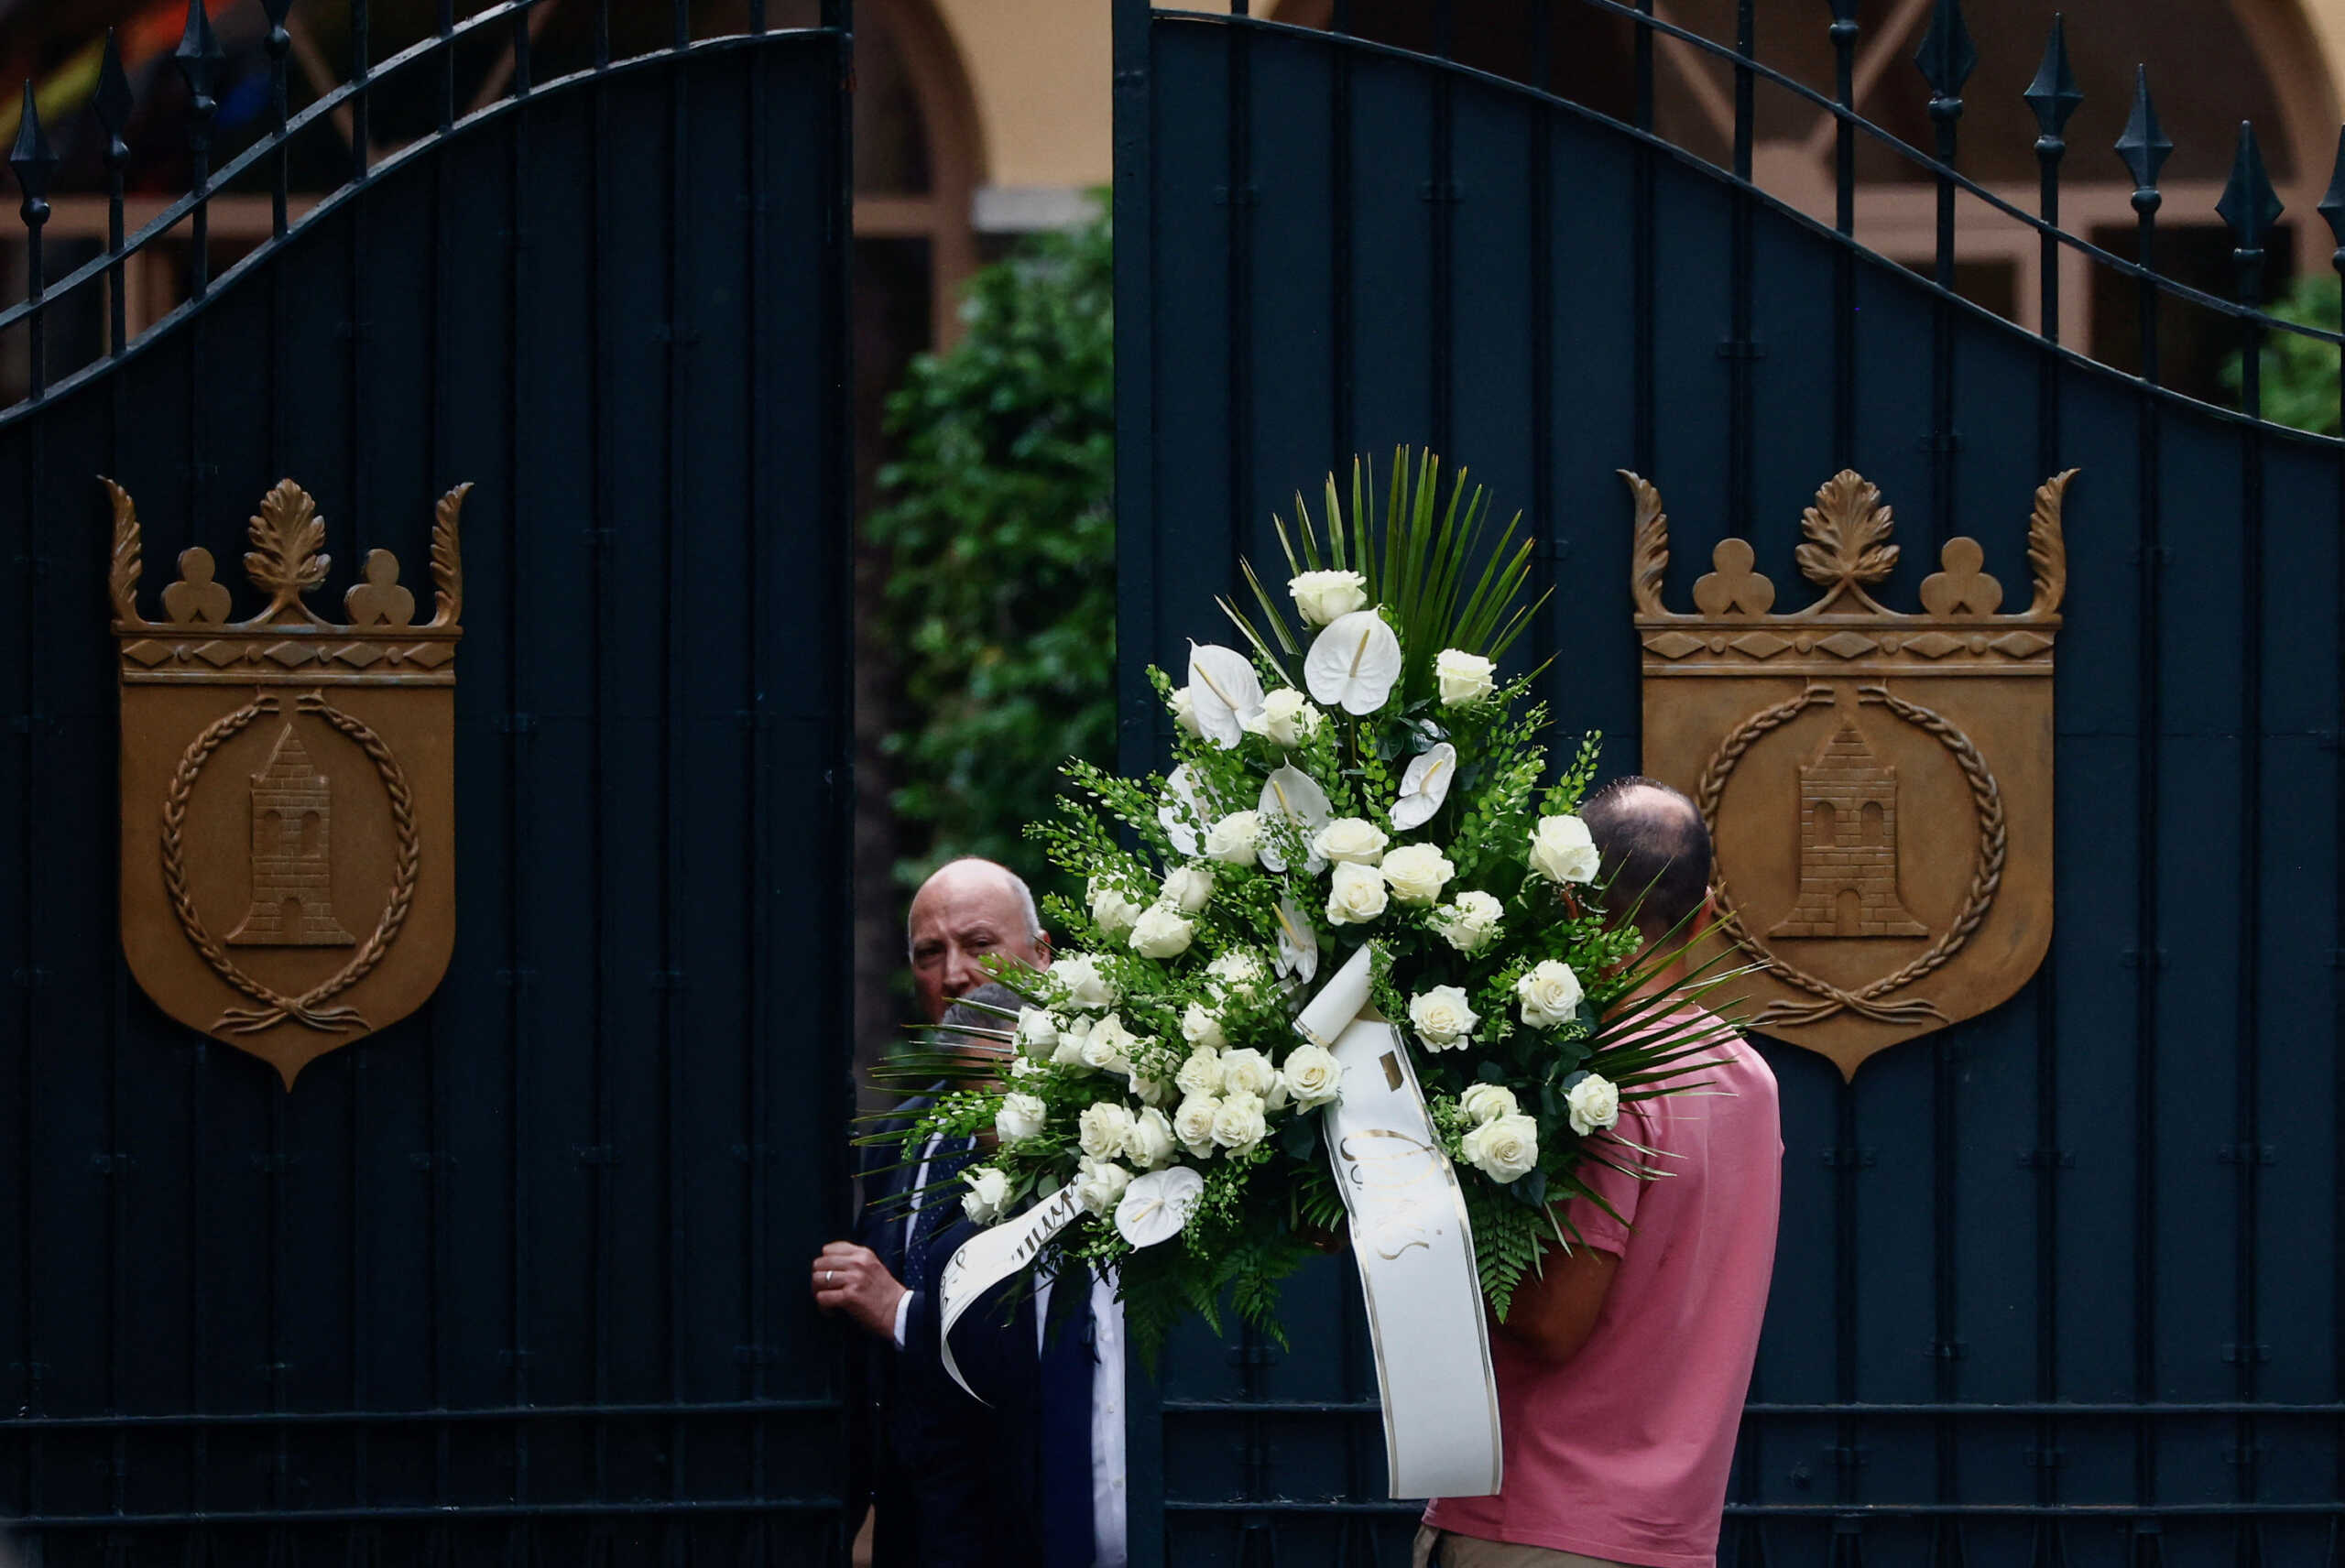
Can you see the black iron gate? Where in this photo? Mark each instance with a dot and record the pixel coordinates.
(2060, 1285)
(516, 1279)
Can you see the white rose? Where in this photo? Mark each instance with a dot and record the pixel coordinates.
(1068, 1052)
(1503, 1148)
(1355, 895)
(1102, 1128)
(1077, 975)
(1469, 921)
(1098, 1184)
(1202, 1029)
(987, 1195)
(1147, 1091)
(1024, 1067)
(1038, 1031)
(1110, 910)
(1353, 839)
(1150, 1144)
(1184, 710)
(1417, 873)
(1465, 677)
(1562, 851)
(1240, 1124)
(1321, 596)
(1311, 1076)
(1162, 933)
(1246, 1072)
(1488, 1102)
(1286, 716)
(1200, 1074)
(1595, 1104)
(1239, 972)
(1442, 1017)
(1108, 1046)
(1193, 1122)
(1233, 840)
(1021, 1115)
(1186, 889)
(1549, 994)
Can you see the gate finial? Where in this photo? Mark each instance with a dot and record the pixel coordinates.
(2054, 94)
(198, 56)
(113, 101)
(2143, 147)
(1946, 58)
(2250, 205)
(33, 160)
(2332, 205)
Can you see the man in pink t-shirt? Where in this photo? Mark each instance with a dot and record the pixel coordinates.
(1621, 1369)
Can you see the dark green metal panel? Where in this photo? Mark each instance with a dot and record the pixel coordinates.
(516, 1279)
(2057, 1285)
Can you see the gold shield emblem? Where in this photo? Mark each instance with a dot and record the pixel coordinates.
(288, 787)
(1878, 784)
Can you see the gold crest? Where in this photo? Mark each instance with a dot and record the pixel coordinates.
(288, 787)
(1878, 785)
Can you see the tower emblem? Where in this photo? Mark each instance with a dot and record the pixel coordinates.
(288, 787)
(1878, 784)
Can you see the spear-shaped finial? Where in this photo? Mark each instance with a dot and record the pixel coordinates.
(2332, 205)
(2143, 147)
(2053, 95)
(198, 56)
(1946, 58)
(114, 103)
(33, 161)
(2250, 205)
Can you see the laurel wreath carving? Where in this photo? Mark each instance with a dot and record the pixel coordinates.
(311, 1007)
(1986, 877)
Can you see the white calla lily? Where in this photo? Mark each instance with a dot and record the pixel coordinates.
(1294, 795)
(1424, 787)
(1298, 943)
(1353, 664)
(1156, 1206)
(1182, 825)
(1223, 693)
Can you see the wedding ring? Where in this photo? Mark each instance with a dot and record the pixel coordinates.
(829, 1276)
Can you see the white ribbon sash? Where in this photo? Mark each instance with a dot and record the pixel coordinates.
(1415, 1252)
(1410, 1238)
(988, 1258)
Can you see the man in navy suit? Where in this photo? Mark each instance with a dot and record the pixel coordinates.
(954, 1480)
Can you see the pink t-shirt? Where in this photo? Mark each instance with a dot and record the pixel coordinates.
(1622, 1452)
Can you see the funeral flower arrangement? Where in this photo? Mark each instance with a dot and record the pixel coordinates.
(1360, 775)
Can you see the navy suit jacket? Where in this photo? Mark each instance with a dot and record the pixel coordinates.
(957, 1482)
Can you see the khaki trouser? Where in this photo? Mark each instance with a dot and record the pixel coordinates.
(1466, 1551)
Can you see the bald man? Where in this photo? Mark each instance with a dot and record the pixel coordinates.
(968, 911)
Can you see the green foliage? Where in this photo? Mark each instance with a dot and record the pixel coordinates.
(2300, 373)
(1000, 596)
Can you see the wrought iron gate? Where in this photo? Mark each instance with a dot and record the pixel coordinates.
(515, 1279)
(2060, 1285)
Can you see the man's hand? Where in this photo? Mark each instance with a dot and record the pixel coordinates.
(852, 1279)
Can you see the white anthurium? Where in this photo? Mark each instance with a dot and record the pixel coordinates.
(1156, 1206)
(1294, 794)
(1182, 825)
(1298, 943)
(1353, 664)
(1424, 787)
(1223, 693)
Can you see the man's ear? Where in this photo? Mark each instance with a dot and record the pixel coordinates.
(1042, 950)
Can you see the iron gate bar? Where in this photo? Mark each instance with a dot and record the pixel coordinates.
(390, 1513)
(193, 204)
(2212, 303)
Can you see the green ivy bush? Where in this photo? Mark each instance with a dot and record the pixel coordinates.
(1001, 594)
(2298, 374)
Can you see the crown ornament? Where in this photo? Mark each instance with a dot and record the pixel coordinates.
(1847, 551)
(287, 643)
